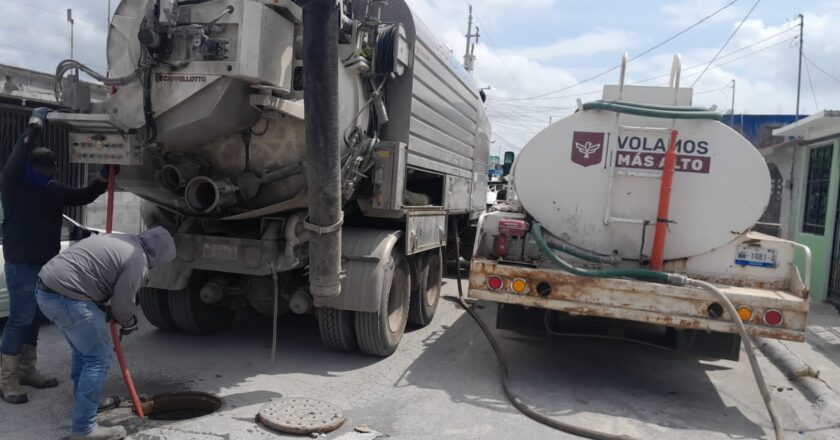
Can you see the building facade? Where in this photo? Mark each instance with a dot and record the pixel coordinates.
(812, 160)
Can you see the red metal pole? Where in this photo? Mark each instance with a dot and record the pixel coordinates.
(656, 259)
(115, 337)
(109, 210)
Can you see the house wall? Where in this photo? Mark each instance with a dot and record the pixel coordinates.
(821, 245)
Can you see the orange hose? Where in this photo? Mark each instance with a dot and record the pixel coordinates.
(135, 400)
(658, 252)
(109, 223)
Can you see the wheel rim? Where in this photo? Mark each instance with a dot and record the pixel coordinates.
(396, 301)
(432, 287)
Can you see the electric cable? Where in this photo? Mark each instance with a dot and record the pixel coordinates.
(643, 53)
(505, 377)
(811, 86)
(732, 35)
(820, 68)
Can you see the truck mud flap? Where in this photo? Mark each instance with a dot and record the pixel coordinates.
(365, 259)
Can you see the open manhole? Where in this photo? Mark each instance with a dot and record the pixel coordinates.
(180, 406)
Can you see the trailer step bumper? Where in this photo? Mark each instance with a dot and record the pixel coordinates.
(672, 306)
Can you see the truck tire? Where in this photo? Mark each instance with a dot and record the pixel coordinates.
(424, 300)
(380, 332)
(193, 315)
(337, 331)
(155, 306)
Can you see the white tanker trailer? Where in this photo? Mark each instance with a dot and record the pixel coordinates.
(612, 235)
(307, 156)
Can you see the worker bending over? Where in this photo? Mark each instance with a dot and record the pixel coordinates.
(33, 201)
(95, 280)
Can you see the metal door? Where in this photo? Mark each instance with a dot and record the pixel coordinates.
(833, 296)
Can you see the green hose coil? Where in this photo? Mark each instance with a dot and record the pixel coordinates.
(639, 274)
(654, 111)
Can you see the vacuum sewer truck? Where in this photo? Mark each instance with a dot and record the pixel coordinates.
(309, 156)
(633, 221)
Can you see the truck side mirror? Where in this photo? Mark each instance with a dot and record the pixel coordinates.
(508, 163)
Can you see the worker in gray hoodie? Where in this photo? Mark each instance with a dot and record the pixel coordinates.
(93, 281)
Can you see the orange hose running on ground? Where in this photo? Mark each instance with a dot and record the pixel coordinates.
(658, 252)
(109, 224)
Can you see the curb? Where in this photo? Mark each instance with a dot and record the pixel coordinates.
(805, 378)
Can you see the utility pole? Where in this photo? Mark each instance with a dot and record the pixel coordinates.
(549, 120)
(469, 52)
(732, 122)
(72, 22)
(799, 78)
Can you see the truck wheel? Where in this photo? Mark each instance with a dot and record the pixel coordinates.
(380, 332)
(193, 315)
(155, 305)
(424, 300)
(337, 331)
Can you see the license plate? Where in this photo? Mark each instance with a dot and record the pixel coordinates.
(220, 251)
(755, 256)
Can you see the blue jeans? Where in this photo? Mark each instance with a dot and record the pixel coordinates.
(24, 316)
(84, 327)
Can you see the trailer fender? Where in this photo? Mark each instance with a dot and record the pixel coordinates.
(169, 276)
(365, 255)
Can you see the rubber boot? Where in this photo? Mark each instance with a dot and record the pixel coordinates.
(102, 433)
(9, 382)
(27, 372)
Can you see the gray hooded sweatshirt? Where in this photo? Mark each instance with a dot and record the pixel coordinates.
(109, 268)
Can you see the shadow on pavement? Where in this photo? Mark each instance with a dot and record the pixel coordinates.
(563, 377)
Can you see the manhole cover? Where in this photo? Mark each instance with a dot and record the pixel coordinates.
(296, 415)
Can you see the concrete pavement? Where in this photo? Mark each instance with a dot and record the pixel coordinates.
(441, 383)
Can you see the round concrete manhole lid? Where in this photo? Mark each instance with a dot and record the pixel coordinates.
(297, 415)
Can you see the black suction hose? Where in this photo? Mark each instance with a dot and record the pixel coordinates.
(320, 93)
(503, 370)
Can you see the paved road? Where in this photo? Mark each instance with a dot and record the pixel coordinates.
(441, 383)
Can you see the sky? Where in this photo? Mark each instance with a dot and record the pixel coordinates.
(530, 48)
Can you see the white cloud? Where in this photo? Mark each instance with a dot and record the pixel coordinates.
(599, 41)
(686, 13)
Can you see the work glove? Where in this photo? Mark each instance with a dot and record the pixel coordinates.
(103, 172)
(39, 116)
(126, 330)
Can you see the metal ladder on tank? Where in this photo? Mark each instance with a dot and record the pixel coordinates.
(618, 128)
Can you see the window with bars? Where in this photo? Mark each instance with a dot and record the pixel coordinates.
(817, 189)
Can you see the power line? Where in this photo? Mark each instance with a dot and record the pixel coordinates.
(727, 55)
(645, 52)
(44, 54)
(737, 28)
(816, 66)
(747, 55)
(811, 84)
(493, 49)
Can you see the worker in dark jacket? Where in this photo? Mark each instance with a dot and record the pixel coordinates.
(32, 204)
(100, 272)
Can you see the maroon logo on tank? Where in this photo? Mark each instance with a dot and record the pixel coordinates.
(587, 148)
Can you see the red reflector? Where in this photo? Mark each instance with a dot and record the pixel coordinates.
(773, 317)
(513, 228)
(495, 282)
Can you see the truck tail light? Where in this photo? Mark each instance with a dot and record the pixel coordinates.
(519, 285)
(513, 228)
(495, 282)
(745, 313)
(773, 318)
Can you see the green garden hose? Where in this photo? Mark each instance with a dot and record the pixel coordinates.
(653, 111)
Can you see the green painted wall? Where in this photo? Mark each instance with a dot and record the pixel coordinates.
(821, 245)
